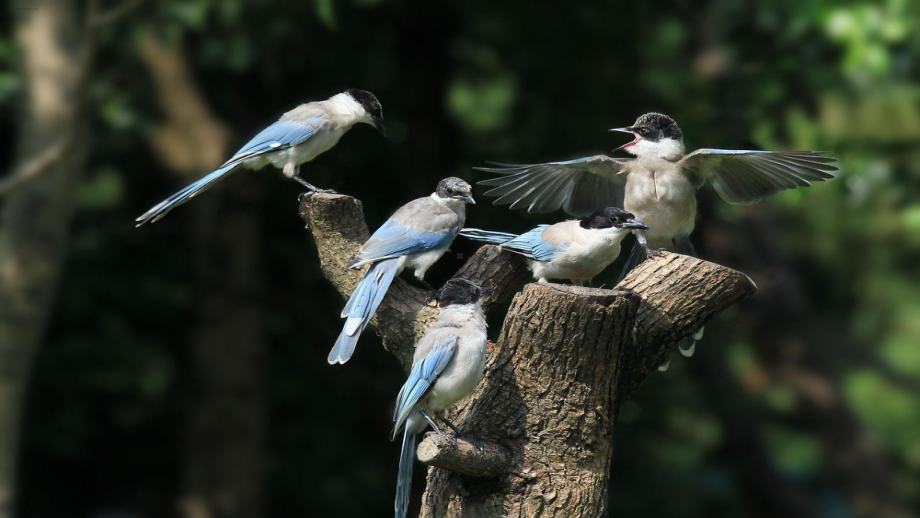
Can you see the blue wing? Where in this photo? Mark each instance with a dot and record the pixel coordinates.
(423, 374)
(395, 240)
(531, 245)
(278, 136)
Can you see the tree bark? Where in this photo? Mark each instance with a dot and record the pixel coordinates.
(567, 357)
(36, 215)
(227, 414)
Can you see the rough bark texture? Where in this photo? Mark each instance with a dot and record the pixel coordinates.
(227, 414)
(680, 293)
(566, 359)
(474, 459)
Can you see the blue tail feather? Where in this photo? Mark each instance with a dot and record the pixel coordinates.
(361, 306)
(487, 236)
(404, 479)
(162, 208)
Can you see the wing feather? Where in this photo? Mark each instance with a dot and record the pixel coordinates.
(747, 176)
(421, 377)
(579, 186)
(278, 136)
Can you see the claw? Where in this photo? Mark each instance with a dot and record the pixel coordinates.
(447, 437)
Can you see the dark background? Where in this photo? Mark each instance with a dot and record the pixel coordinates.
(193, 349)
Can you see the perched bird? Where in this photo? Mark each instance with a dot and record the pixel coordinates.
(448, 364)
(415, 236)
(299, 136)
(659, 185)
(574, 250)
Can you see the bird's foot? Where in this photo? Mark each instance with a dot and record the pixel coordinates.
(447, 437)
(312, 187)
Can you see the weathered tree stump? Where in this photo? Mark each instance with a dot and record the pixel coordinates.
(566, 359)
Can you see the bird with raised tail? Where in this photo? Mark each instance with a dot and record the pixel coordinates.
(448, 363)
(299, 136)
(576, 250)
(658, 185)
(415, 237)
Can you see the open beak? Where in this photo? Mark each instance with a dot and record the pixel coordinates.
(378, 123)
(633, 224)
(632, 132)
(468, 198)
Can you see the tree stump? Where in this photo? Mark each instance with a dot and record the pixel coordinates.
(566, 359)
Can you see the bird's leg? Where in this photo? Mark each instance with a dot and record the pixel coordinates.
(461, 435)
(453, 427)
(310, 186)
(448, 437)
(294, 174)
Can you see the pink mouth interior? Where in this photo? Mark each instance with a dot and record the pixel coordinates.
(630, 144)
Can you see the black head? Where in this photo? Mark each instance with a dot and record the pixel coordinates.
(455, 188)
(371, 105)
(612, 217)
(652, 127)
(656, 126)
(460, 291)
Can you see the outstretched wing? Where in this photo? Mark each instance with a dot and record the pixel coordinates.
(421, 377)
(578, 186)
(278, 136)
(744, 176)
(532, 245)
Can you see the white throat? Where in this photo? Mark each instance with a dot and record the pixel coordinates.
(350, 110)
(666, 148)
(610, 235)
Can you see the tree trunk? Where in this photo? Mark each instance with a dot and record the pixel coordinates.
(227, 415)
(566, 359)
(35, 216)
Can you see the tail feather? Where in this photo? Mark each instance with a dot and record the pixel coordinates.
(361, 306)
(404, 480)
(636, 257)
(161, 209)
(688, 346)
(487, 236)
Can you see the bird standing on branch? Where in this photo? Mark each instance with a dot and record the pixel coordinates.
(658, 186)
(299, 136)
(574, 250)
(448, 364)
(415, 236)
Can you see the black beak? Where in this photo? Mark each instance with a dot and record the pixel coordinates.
(632, 131)
(485, 291)
(378, 123)
(633, 224)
